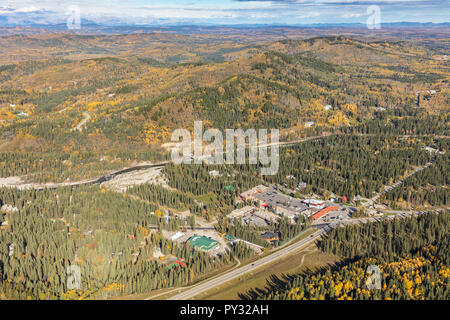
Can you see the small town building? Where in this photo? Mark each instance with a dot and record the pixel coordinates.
(4, 225)
(203, 243)
(319, 214)
(177, 236)
(301, 185)
(430, 149)
(8, 208)
(249, 194)
(214, 174)
(313, 203)
(241, 212)
(157, 253)
(229, 237)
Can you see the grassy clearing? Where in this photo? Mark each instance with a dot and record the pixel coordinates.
(207, 198)
(142, 296)
(248, 261)
(166, 293)
(308, 258)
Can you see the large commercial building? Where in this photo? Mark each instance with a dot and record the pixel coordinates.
(250, 194)
(282, 204)
(237, 213)
(321, 213)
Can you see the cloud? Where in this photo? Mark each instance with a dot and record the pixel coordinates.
(309, 15)
(227, 11)
(28, 9)
(10, 10)
(352, 15)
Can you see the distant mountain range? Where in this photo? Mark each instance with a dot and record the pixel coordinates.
(43, 19)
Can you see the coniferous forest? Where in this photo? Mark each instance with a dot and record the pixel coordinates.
(412, 255)
(86, 178)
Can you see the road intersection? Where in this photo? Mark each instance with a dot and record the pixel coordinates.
(207, 285)
(323, 228)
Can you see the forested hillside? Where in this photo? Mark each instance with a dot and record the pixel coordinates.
(412, 254)
(78, 107)
(85, 178)
(108, 236)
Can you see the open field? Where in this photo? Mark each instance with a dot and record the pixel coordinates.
(165, 294)
(306, 259)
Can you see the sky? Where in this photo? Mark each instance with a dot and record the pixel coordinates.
(227, 12)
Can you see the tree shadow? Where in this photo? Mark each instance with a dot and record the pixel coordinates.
(280, 283)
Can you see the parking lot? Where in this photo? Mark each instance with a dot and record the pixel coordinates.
(340, 215)
(276, 199)
(284, 205)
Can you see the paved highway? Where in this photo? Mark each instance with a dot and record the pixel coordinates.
(5, 182)
(207, 285)
(51, 185)
(323, 228)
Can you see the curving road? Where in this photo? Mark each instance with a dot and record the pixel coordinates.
(16, 182)
(324, 228)
(205, 286)
(87, 117)
(4, 182)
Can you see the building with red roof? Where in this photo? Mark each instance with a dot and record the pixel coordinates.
(319, 214)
